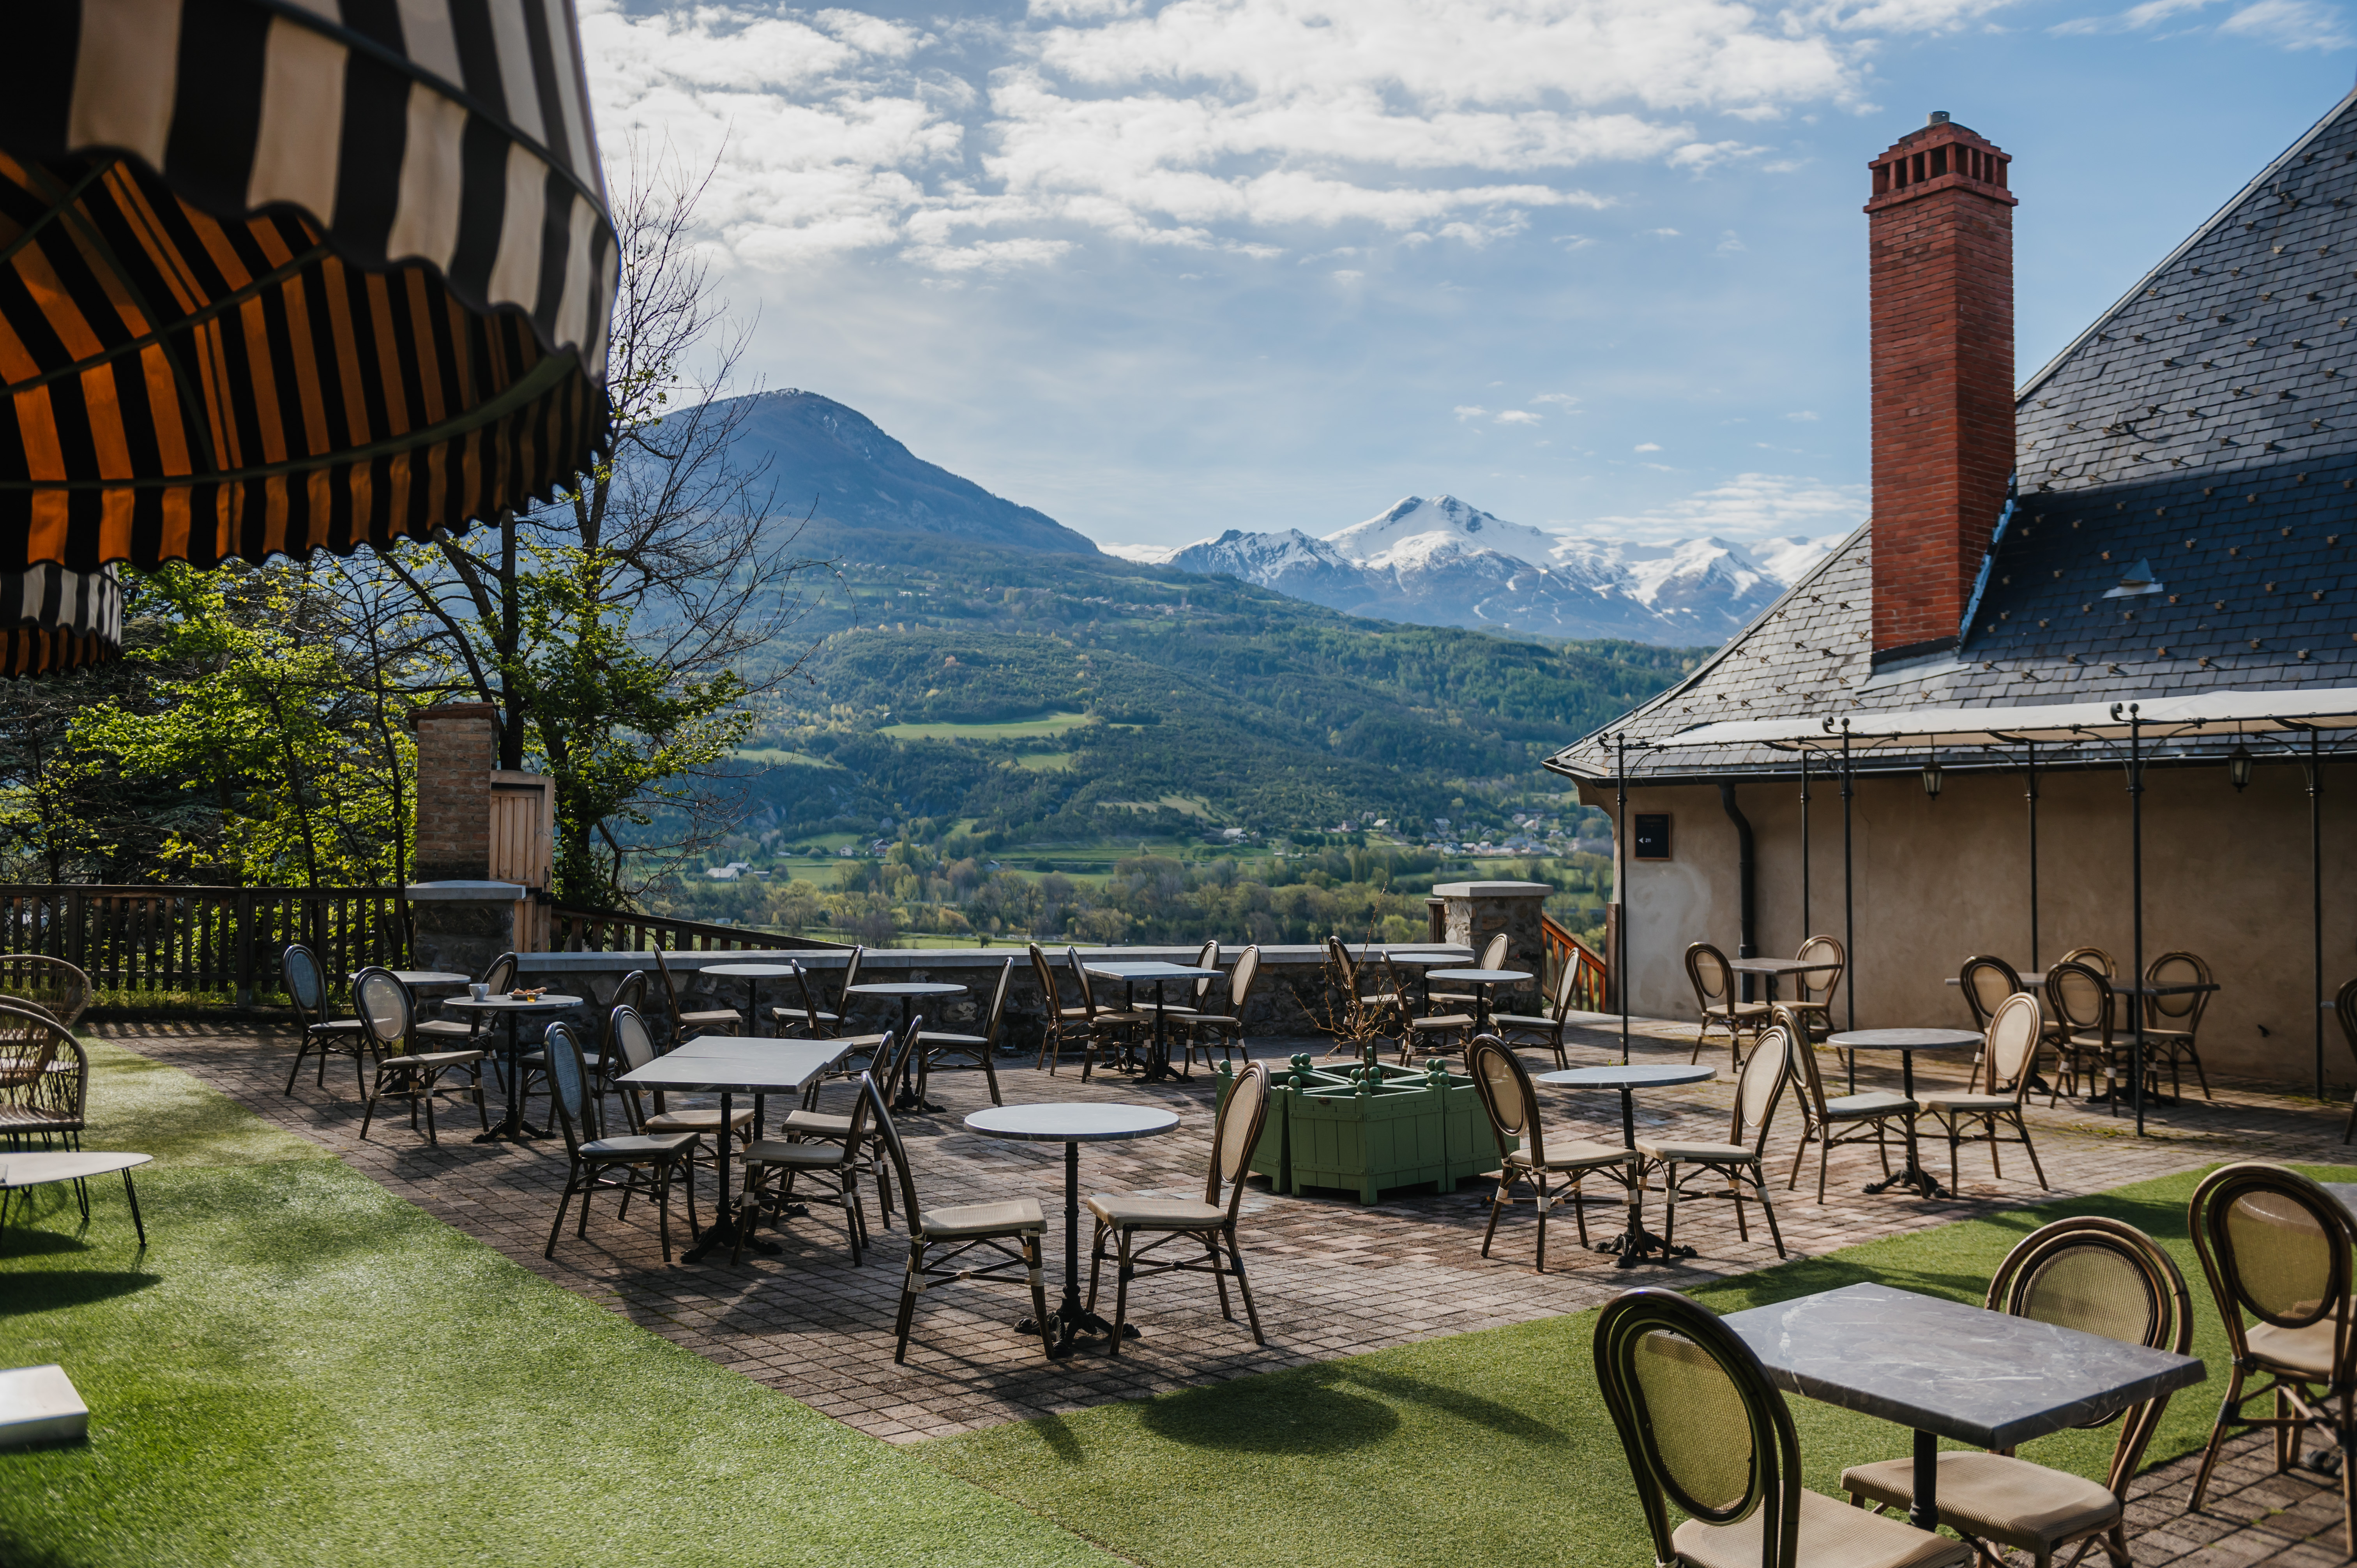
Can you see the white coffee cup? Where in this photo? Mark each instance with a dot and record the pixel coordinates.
(477, 990)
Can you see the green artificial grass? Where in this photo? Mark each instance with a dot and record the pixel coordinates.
(304, 1370)
(1495, 1447)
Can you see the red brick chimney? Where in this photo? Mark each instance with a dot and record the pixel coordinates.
(458, 746)
(1940, 229)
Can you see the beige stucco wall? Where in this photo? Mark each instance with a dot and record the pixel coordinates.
(2227, 876)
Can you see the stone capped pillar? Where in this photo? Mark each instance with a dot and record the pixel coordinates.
(1479, 910)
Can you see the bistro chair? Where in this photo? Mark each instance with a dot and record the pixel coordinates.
(1211, 1223)
(2096, 958)
(1546, 1029)
(816, 1021)
(1704, 1430)
(1206, 957)
(2081, 996)
(1228, 1027)
(703, 1020)
(1758, 1087)
(889, 1066)
(61, 989)
(2096, 1275)
(1715, 998)
(2276, 1247)
(1111, 1027)
(594, 1159)
(603, 1064)
(1523, 1159)
(2009, 1043)
(2344, 1007)
(1492, 956)
(629, 1029)
(1831, 1121)
(1813, 1000)
(1064, 1025)
(790, 1159)
(475, 1029)
(44, 1083)
(1007, 1232)
(306, 987)
(1347, 970)
(1987, 981)
(940, 1047)
(1431, 1034)
(2181, 1015)
(389, 1019)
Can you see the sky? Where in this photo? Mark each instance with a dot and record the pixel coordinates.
(1164, 269)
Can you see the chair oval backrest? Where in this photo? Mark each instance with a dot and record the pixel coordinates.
(879, 1127)
(1206, 957)
(382, 1003)
(1506, 1093)
(1987, 981)
(1804, 1065)
(568, 1085)
(1762, 1082)
(500, 973)
(1706, 968)
(1247, 969)
(850, 979)
(1699, 1420)
(2101, 1276)
(28, 1041)
(2179, 969)
(1050, 997)
(1236, 1133)
(627, 1027)
(1818, 985)
(61, 988)
(306, 982)
(2080, 996)
(1340, 952)
(998, 1002)
(2274, 1244)
(2012, 1036)
(1081, 979)
(2096, 958)
(1566, 983)
(633, 992)
(2344, 1007)
(1493, 952)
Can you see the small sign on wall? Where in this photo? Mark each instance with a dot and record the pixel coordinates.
(1649, 836)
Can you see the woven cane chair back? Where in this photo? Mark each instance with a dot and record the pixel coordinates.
(671, 987)
(633, 992)
(2096, 958)
(27, 1044)
(499, 975)
(2081, 996)
(2274, 1244)
(62, 989)
(577, 1111)
(1340, 952)
(1819, 985)
(1504, 1085)
(872, 1116)
(998, 1002)
(1714, 982)
(1700, 1421)
(1046, 973)
(628, 1028)
(306, 982)
(383, 1004)
(1081, 979)
(2179, 969)
(1761, 1084)
(850, 979)
(1812, 1084)
(1987, 981)
(1494, 952)
(1236, 1135)
(1206, 957)
(897, 1057)
(2101, 1276)
(2012, 1035)
(1240, 981)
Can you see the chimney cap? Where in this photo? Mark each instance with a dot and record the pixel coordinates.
(1936, 117)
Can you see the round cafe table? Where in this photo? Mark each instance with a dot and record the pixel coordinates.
(22, 1168)
(512, 1124)
(416, 977)
(752, 974)
(1907, 1042)
(1072, 1124)
(912, 1085)
(1635, 1243)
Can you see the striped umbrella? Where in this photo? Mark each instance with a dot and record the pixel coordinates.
(280, 275)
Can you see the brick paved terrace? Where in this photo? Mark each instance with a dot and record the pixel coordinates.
(1333, 1277)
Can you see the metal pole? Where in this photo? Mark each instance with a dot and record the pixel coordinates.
(2030, 793)
(1620, 892)
(2136, 897)
(1807, 931)
(2316, 887)
(1850, 905)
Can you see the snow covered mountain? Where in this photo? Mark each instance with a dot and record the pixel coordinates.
(1443, 563)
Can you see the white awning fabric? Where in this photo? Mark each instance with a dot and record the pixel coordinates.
(2058, 723)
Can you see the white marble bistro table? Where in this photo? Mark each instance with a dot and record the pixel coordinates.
(26, 1169)
(1072, 1124)
(1635, 1243)
(1158, 1061)
(752, 974)
(1907, 1042)
(1950, 1371)
(728, 1069)
(512, 1124)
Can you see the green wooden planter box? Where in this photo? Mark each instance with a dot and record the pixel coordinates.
(1371, 1129)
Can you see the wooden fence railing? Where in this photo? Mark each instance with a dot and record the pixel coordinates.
(157, 938)
(620, 931)
(1591, 993)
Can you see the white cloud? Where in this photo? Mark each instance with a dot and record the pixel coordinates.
(1470, 410)
(1730, 244)
(1344, 274)
(1518, 417)
(1658, 233)
(1805, 416)
(1648, 447)
(1750, 506)
(2286, 24)
(1564, 400)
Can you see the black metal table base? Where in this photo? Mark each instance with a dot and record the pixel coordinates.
(512, 1127)
(1071, 1323)
(1642, 1246)
(1914, 1176)
(721, 1236)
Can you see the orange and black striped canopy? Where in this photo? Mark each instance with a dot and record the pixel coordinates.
(277, 278)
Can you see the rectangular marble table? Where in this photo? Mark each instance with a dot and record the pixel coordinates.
(1951, 1370)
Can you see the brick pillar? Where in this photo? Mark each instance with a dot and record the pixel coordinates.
(1940, 229)
(457, 747)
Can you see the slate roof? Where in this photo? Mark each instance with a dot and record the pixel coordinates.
(2204, 432)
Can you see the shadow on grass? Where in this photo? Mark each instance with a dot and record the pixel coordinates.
(1306, 1417)
(62, 1292)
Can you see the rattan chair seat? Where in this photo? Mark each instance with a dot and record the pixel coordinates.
(1866, 1104)
(705, 1015)
(1574, 1156)
(1136, 1213)
(2306, 1352)
(433, 1058)
(1997, 1498)
(1718, 1154)
(804, 1015)
(1833, 1535)
(816, 1123)
(1440, 1021)
(1521, 1021)
(776, 1151)
(1968, 1103)
(34, 1119)
(635, 1146)
(1007, 1217)
(695, 1121)
(1744, 1009)
(942, 1037)
(352, 1027)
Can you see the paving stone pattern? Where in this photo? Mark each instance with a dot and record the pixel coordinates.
(1332, 1277)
